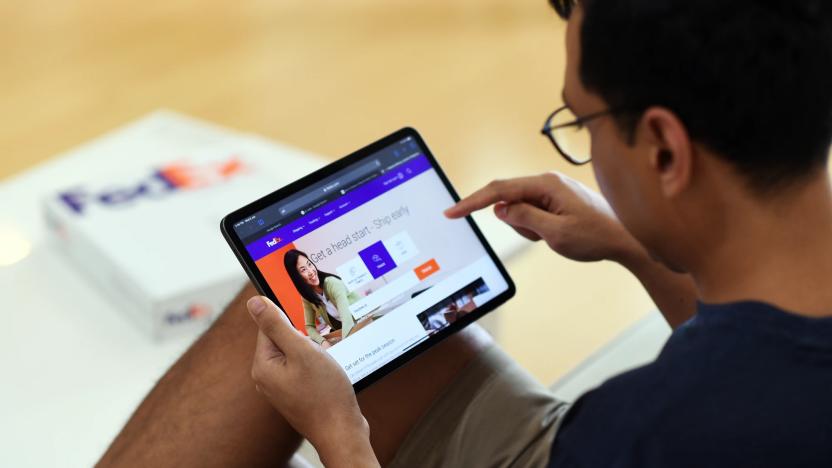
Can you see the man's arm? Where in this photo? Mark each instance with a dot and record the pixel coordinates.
(579, 224)
(326, 411)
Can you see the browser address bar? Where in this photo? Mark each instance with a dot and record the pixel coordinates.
(330, 185)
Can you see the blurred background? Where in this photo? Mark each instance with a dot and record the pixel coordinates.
(476, 78)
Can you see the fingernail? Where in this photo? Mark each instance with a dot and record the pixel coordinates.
(256, 305)
(500, 210)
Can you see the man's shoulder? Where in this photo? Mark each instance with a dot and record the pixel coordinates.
(730, 381)
(604, 423)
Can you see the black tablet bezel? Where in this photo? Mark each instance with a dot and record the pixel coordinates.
(226, 227)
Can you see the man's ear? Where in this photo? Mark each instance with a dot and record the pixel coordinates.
(671, 151)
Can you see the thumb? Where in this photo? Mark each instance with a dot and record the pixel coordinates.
(526, 217)
(274, 324)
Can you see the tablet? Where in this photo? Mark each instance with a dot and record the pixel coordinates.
(361, 258)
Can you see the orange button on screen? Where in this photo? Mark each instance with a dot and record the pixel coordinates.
(426, 269)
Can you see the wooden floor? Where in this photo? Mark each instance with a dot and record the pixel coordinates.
(477, 78)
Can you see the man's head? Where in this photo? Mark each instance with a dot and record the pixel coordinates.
(711, 99)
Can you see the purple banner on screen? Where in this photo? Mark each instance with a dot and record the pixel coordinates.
(321, 216)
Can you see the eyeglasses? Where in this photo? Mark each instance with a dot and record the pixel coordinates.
(569, 135)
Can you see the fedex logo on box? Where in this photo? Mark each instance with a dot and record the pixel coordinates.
(192, 312)
(162, 182)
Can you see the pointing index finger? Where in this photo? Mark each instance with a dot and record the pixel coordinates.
(478, 200)
(521, 189)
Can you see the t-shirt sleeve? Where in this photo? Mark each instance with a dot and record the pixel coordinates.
(561, 455)
(598, 430)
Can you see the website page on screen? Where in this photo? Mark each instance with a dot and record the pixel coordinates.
(364, 262)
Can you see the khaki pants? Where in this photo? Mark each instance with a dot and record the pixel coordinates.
(494, 414)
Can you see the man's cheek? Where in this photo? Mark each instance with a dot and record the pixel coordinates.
(601, 170)
(610, 178)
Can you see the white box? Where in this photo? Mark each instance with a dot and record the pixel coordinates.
(148, 235)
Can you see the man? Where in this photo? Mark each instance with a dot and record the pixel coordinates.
(710, 124)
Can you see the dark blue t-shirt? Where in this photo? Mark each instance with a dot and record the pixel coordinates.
(742, 384)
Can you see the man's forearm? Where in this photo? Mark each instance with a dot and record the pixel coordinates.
(347, 445)
(674, 293)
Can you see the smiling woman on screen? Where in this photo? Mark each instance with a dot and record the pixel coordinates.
(326, 300)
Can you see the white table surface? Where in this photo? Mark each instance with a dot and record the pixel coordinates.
(73, 367)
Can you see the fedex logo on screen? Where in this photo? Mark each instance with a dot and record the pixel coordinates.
(273, 242)
(161, 182)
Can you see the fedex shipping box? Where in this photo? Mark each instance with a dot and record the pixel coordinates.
(147, 235)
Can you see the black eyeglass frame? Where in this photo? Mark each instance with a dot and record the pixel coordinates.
(548, 128)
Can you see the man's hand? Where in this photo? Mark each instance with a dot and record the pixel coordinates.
(579, 224)
(575, 221)
(308, 388)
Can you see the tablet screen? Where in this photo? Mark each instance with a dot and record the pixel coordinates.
(364, 262)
